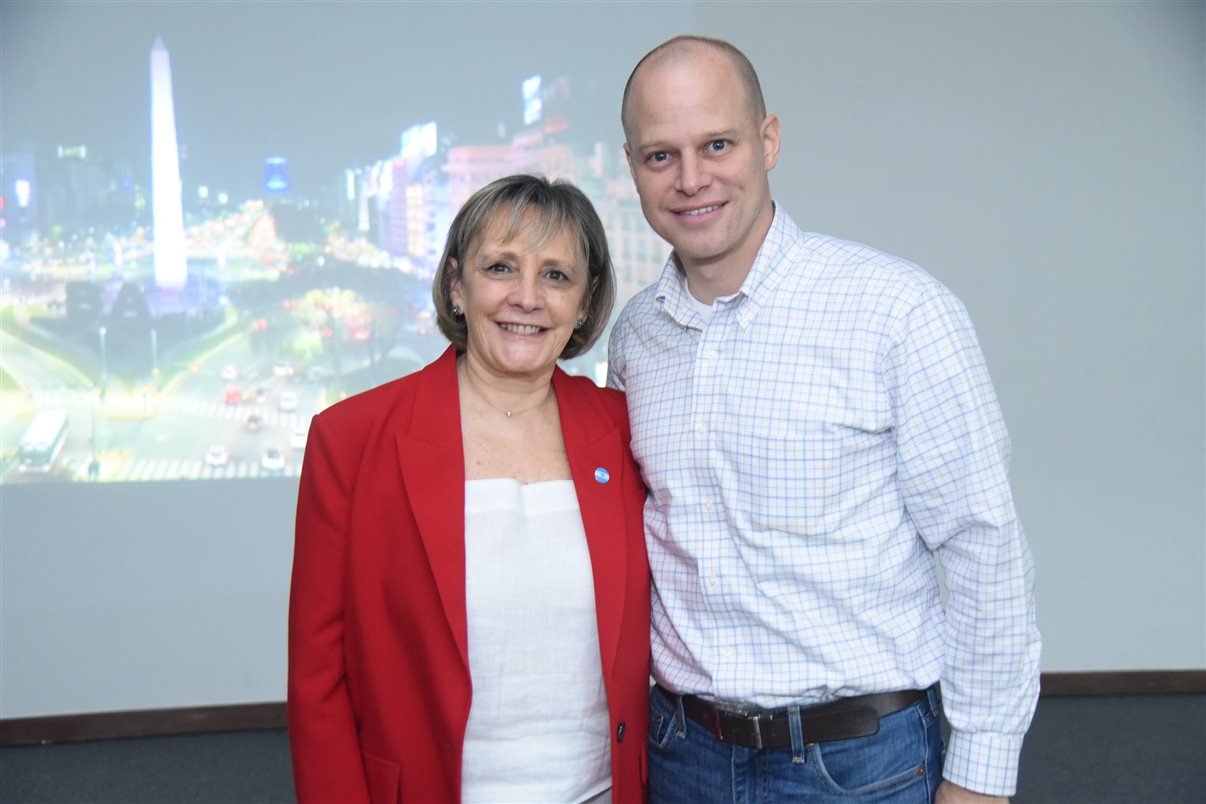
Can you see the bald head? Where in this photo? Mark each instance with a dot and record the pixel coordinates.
(684, 48)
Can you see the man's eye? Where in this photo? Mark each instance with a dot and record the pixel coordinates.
(658, 157)
(718, 145)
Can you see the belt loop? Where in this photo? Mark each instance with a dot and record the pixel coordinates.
(797, 734)
(934, 695)
(680, 716)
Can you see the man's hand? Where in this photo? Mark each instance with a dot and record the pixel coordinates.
(954, 794)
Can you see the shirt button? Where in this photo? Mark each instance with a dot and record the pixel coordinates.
(726, 652)
(707, 505)
(620, 733)
(711, 354)
(701, 429)
(713, 581)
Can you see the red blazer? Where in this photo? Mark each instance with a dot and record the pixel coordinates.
(379, 685)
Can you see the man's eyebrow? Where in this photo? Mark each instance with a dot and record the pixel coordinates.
(706, 137)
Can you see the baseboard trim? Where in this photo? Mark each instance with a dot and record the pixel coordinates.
(1127, 682)
(254, 717)
(140, 723)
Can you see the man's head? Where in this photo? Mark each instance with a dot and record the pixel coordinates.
(682, 45)
(700, 145)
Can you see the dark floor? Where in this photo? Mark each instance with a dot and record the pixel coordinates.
(1106, 750)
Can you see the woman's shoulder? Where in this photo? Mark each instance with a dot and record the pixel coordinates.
(585, 393)
(385, 400)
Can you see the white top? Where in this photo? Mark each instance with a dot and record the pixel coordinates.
(538, 724)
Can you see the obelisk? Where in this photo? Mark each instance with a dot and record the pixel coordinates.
(171, 268)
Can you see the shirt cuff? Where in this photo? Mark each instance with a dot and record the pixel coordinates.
(983, 763)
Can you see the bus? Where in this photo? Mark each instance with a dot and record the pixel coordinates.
(43, 441)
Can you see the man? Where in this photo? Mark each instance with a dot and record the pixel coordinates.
(815, 423)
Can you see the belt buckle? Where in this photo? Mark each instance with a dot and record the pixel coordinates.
(719, 732)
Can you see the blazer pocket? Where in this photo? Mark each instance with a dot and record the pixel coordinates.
(384, 779)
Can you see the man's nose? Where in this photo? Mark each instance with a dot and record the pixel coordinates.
(691, 175)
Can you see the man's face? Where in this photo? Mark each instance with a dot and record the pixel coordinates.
(700, 161)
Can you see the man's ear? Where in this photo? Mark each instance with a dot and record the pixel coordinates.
(770, 141)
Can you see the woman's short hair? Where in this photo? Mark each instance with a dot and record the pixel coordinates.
(553, 206)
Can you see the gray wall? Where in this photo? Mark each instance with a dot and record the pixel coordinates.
(1044, 160)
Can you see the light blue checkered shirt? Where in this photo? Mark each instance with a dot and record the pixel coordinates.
(808, 449)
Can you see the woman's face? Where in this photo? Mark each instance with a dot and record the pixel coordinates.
(520, 299)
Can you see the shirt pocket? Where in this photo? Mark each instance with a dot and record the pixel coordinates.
(801, 479)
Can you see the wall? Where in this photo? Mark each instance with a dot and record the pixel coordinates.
(1044, 160)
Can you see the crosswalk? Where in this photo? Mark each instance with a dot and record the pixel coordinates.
(149, 469)
(270, 415)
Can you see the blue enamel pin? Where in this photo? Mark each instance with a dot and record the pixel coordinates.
(602, 475)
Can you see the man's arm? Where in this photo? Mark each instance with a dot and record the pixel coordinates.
(953, 460)
(948, 793)
(615, 353)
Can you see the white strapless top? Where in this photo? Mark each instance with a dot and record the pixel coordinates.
(538, 725)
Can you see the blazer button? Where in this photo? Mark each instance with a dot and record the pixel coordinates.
(620, 733)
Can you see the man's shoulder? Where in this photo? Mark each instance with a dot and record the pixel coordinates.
(850, 267)
(638, 308)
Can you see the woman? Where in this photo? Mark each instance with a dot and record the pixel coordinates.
(470, 604)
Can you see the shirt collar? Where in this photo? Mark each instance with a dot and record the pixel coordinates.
(773, 260)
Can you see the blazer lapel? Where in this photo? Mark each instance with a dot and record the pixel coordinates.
(596, 458)
(432, 459)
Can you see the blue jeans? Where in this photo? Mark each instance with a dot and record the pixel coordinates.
(901, 763)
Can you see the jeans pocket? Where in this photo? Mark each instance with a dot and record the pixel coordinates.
(904, 751)
(663, 724)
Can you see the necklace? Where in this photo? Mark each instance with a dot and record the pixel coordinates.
(505, 411)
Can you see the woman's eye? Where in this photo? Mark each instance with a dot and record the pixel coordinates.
(499, 268)
(557, 276)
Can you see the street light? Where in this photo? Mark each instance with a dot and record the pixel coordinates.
(154, 353)
(104, 361)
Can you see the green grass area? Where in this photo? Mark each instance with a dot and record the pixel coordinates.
(7, 383)
(78, 357)
(174, 364)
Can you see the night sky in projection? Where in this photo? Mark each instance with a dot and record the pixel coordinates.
(327, 85)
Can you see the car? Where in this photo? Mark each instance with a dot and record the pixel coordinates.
(232, 396)
(272, 460)
(287, 400)
(230, 373)
(262, 393)
(319, 373)
(253, 422)
(216, 455)
(297, 439)
(282, 368)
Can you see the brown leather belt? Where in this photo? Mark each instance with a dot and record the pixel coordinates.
(838, 720)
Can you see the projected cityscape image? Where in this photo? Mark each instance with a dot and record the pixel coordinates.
(154, 330)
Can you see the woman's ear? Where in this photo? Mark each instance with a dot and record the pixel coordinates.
(454, 281)
(584, 313)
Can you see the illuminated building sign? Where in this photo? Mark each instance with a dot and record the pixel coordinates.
(276, 174)
(419, 142)
(531, 100)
